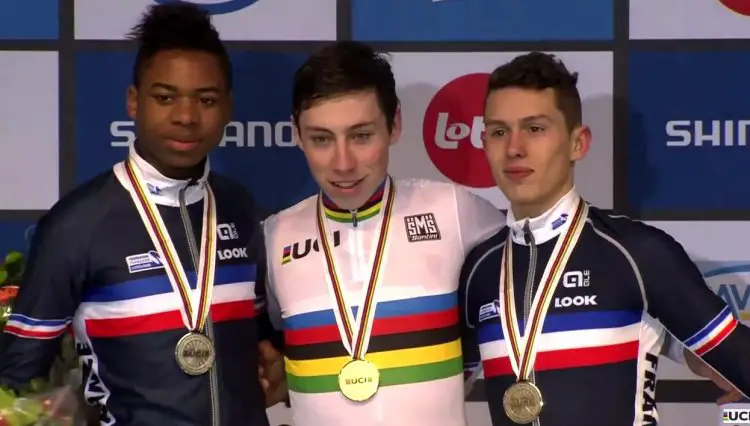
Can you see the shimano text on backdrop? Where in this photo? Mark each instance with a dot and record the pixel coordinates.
(705, 132)
(240, 134)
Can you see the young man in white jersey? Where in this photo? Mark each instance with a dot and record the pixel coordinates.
(568, 306)
(364, 274)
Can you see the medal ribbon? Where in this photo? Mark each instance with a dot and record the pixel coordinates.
(194, 317)
(521, 350)
(362, 326)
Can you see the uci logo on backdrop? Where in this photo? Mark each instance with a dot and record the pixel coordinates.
(216, 7)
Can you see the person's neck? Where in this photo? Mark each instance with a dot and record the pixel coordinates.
(545, 219)
(368, 209)
(177, 173)
(536, 209)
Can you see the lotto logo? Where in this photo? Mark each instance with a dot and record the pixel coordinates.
(738, 6)
(453, 128)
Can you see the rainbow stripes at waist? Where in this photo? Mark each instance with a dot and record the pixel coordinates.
(413, 340)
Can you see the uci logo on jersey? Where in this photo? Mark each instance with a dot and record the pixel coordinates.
(216, 7)
(299, 250)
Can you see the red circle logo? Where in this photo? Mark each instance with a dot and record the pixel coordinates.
(452, 131)
(738, 6)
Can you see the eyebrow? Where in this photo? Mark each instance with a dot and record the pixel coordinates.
(350, 128)
(494, 122)
(171, 88)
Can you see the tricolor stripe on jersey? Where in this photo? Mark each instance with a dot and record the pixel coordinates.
(713, 333)
(413, 340)
(34, 328)
(570, 340)
(150, 305)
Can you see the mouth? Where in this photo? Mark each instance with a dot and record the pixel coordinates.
(518, 173)
(346, 184)
(182, 144)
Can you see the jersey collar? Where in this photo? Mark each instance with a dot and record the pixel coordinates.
(548, 225)
(165, 191)
(369, 209)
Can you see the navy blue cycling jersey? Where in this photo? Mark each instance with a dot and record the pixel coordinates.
(92, 268)
(625, 286)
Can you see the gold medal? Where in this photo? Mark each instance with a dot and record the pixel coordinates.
(522, 402)
(359, 380)
(195, 354)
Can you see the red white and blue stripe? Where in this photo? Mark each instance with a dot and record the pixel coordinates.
(35, 328)
(568, 341)
(713, 333)
(150, 305)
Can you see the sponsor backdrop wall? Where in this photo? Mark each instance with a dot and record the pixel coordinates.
(664, 88)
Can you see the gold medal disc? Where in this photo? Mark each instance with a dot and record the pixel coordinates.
(359, 380)
(195, 354)
(523, 402)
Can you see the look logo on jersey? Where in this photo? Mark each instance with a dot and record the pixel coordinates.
(452, 131)
(737, 6)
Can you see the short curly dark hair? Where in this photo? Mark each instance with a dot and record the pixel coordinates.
(540, 71)
(177, 26)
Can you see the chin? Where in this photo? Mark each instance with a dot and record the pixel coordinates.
(521, 196)
(184, 160)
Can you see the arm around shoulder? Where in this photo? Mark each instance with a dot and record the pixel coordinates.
(478, 218)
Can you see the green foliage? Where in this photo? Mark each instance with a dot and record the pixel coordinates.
(12, 269)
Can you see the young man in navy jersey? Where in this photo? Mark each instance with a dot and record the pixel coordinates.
(568, 308)
(166, 329)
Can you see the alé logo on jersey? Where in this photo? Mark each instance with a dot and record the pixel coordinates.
(575, 280)
(453, 128)
(216, 7)
(299, 250)
(729, 280)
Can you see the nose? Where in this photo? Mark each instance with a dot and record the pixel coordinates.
(185, 112)
(343, 158)
(516, 146)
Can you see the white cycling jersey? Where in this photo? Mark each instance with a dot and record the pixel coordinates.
(415, 339)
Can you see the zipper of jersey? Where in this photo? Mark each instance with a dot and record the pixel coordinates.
(193, 247)
(358, 270)
(528, 298)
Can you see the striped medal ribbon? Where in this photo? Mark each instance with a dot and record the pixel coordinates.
(194, 352)
(359, 379)
(523, 400)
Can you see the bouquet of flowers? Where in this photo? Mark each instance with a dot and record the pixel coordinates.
(42, 403)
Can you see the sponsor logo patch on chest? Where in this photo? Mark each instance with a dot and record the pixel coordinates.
(421, 227)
